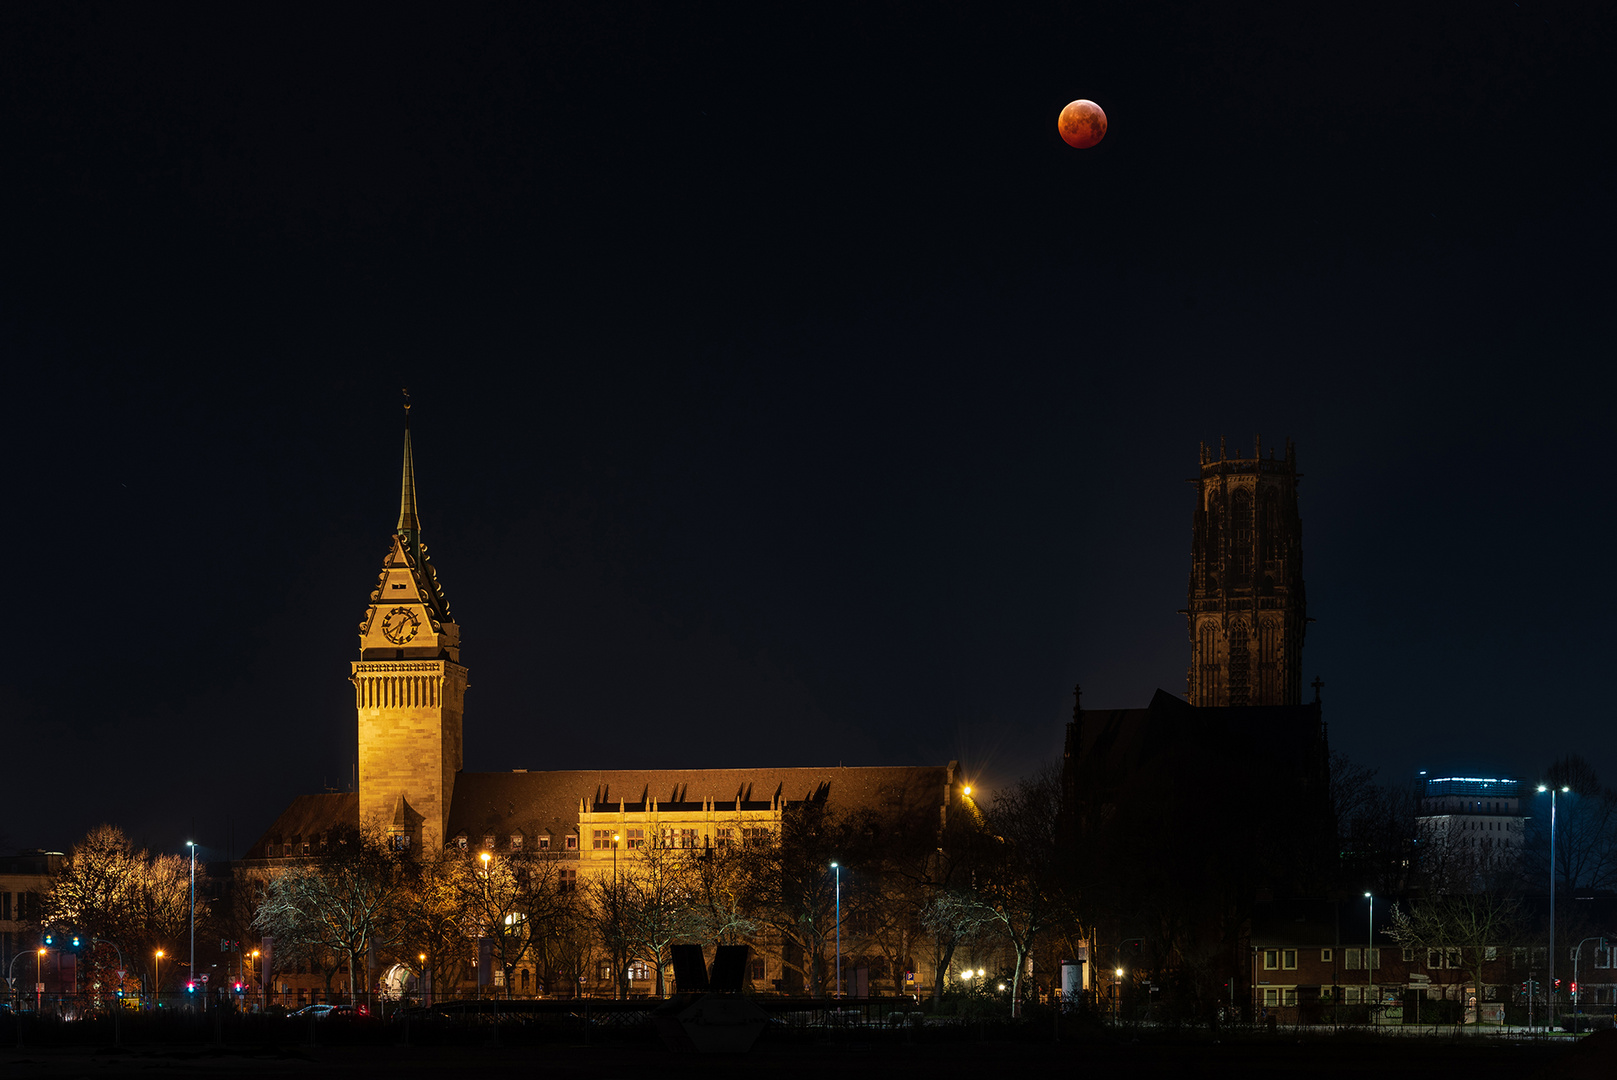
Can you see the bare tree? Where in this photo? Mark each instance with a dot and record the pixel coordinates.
(1022, 884)
(1469, 927)
(349, 901)
(111, 890)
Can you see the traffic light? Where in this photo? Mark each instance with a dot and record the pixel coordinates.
(1574, 988)
(75, 943)
(238, 987)
(50, 938)
(190, 987)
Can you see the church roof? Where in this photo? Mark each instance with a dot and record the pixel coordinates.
(536, 802)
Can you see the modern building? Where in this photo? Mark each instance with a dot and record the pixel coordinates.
(1481, 817)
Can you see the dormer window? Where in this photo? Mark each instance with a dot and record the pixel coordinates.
(544, 843)
(488, 842)
(516, 841)
(572, 842)
(460, 841)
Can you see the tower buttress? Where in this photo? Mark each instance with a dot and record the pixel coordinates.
(1247, 613)
(409, 688)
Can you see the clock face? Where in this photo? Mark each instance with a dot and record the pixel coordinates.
(400, 625)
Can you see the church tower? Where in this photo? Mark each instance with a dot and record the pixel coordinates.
(1247, 613)
(409, 687)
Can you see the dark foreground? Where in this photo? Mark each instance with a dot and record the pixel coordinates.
(1125, 1056)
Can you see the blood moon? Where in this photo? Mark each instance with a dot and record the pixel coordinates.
(1082, 124)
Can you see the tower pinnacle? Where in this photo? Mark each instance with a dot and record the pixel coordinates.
(409, 521)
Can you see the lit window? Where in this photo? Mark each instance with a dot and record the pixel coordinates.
(544, 843)
(516, 841)
(601, 838)
(460, 841)
(639, 971)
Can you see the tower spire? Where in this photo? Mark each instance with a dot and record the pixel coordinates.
(409, 522)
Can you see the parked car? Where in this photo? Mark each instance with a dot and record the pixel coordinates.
(312, 1012)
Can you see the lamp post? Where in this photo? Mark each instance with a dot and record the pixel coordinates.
(838, 869)
(192, 981)
(426, 988)
(39, 982)
(1551, 985)
(1369, 961)
(157, 981)
(1577, 954)
(1117, 997)
(258, 975)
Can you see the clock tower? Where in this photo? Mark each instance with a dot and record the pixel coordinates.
(409, 689)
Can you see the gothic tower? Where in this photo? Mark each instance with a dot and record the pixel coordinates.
(409, 688)
(1247, 613)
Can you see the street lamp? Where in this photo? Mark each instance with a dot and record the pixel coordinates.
(1369, 960)
(39, 982)
(258, 973)
(426, 994)
(157, 982)
(838, 868)
(1577, 954)
(1117, 996)
(1543, 788)
(192, 844)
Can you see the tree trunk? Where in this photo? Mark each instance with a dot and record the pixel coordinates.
(1022, 952)
(937, 975)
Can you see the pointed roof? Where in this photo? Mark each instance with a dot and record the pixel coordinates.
(409, 521)
(408, 550)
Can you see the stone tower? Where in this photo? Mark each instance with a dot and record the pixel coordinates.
(1247, 612)
(409, 687)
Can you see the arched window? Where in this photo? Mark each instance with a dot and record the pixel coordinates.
(1241, 538)
(1240, 664)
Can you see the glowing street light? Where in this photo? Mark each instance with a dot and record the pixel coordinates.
(838, 868)
(39, 982)
(192, 844)
(1543, 788)
(1369, 954)
(157, 980)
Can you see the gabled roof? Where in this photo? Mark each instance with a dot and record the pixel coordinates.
(307, 818)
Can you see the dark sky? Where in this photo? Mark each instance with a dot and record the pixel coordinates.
(787, 391)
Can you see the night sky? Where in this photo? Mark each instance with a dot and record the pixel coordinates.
(787, 392)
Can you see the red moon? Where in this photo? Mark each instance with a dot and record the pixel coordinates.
(1082, 124)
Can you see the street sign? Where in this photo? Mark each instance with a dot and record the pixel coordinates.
(121, 974)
